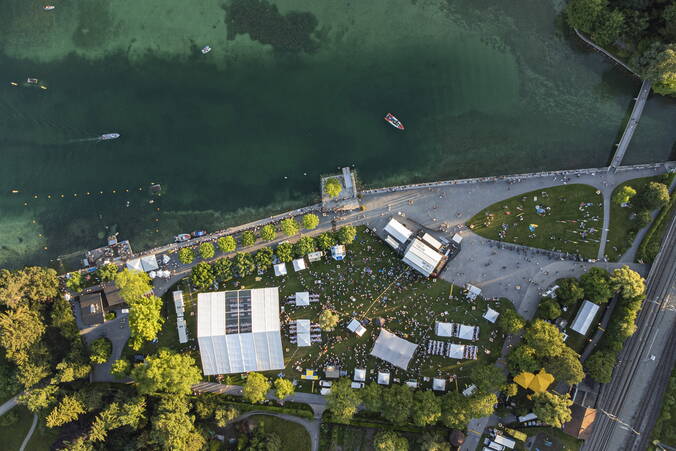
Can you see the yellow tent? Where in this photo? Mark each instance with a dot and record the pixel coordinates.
(524, 379)
(541, 381)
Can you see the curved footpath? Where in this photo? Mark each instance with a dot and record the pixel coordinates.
(311, 426)
(30, 433)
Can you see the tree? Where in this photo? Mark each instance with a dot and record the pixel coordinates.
(255, 388)
(19, 330)
(289, 226)
(426, 408)
(545, 339)
(372, 396)
(569, 292)
(74, 281)
(283, 388)
(284, 252)
(566, 366)
(262, 441)
(244, 264)
(120, 369)
(347, 234)
(132, 284)
(343, 401)
(63, 319)
(207, 250)
(510, 389)
(487, 378)
(100, 350)
(397, 403)
(145, 320)
(596, 285)
(68, 409)
(304, 246)
(325, 241)
(433, 441)
(627, 282)
(31, 285)
(624, 194)
(166, 372)
(226, 244)
(643, 218)
(481, 405)
(584, 14)
(455, 410)
(268, 232)
(600, 365)
(248, 238)
(548, 309)
(328, 319)
(222, 269)
(510, 322)
(225, 415)
(662, 71)
(39, 398)
(263, 258)
(310, 221)
(389, 441)
(608, 27)
(202, 276)
(654, 195)
(522, 358)
(107, 272)
(71, 369)
(552, 409)
(186, 255)
(173, 428)
(333, 187)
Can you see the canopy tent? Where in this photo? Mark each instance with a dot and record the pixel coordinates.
(398, 231)
(238, 331)
(280, 269)
(149, 263)
(182, 334)
(302, 298)
(360, 374)
(412, 384)
(456, 351)
(584, 317)
(383, 378)
(393, 349)
(443, 329)
(393, 243)
(504, 441)
(438, 384)
(166, 259)
(178, 303)
(429, 239)
(309, 375)
(135, 265)
(338, 252)
(299, 264)
(468, 332)
(356, 327)
(473, 291)
(541, 381)
(524, 379)
(303, 332)
(315, 256)
(332, 372)
(491, 315)
(457, 238)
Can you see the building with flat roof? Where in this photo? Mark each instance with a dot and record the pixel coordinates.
(239, 331)
(111, 295)
(421, 251)
(91, 309)
(423, 258)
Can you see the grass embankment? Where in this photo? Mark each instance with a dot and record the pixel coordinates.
(293, 435)
(372, 282)
(571, 222)
(623, 229)
(665, 427)
(560, 440)
(652, 241)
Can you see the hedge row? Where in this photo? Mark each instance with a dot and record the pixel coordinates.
(246, 407)
(650, 246)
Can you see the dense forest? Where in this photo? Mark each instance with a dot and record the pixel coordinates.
(641, 32)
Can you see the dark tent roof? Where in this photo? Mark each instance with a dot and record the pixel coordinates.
(91, 308)
(111, 294)
(457, 438)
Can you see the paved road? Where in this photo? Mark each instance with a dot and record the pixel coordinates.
(636, 113)
(624, 417)
(312, 426)
(117, 331)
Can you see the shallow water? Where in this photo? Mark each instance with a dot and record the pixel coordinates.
(290, 91)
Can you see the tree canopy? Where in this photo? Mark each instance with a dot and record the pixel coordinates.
(68, 409)
(244, 264)
(545, 338)
(166, 372)
(624, 194)
(553, 409)
(248, 238)
(548, 309)
(333, 187)
(202, 275)
(569, 292)
(487, 378)
(426, 408)
(283, 388)
(328, 319)
(145, 320)
(222, 269)
(310, 221)
(397, 403)
(132, 284)
(31, 285)
(372, 396)
(263, 258)
(347, 234)
(522, 358)
(654, 195)
(565, 366)
(600, 365)
(343, 400)
(325, 241)
(100, 350)
(627, 282)
(268, 232)
(304, 246)
(596, 285)
(662, 71)
(207, 250)
(284, 252)
(226, 244)
(19, 330)
(173, 428)
(289, 226)
(389, 441)
(255, 388)
(186, 255)
(509, 321)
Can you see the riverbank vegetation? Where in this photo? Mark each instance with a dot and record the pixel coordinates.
(642, 33)
(652, 241)
(665, 427)
(565, 218)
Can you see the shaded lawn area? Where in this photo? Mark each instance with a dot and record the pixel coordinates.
(293, 435)
(622, 229)
(560, 441)
(12, 436)
(571, 223)
(371, 282)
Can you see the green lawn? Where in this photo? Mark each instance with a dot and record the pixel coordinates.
(571, 223)
(372, 282)
(559, 439)
(293, 435)
(622, 229)
(12, 436)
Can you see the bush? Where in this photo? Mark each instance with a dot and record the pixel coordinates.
(186, 255)
(206, 250)
(654, 195)
(101, 349)
(643, 218)
(652, 241)
(110, 316)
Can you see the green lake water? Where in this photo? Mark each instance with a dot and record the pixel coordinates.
(292, 89)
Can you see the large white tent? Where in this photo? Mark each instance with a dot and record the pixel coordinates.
(473, 291)
(359, 374)
(398, 230)
(238, 331)
(468, 332)
(584, 317)
(303, 332)
(302, 298)
(393, 349)
(421, 257)
(456, 351)
(149, 263)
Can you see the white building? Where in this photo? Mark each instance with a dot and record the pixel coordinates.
(393, 349)
(584, 317)
(238, 331)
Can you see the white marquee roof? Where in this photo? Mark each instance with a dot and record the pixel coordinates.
(315, 256)
(149, 263)
(303, 332)
(457, 238)
(252, 318)
(438, 384)
(443, 329)
(299, 264)
(178, 303)
(392, 242)
(383, 378)
(182, 335)
(456, 351)
(398, 230)
(302, 298)
(467, 332)
(356, 327)
(280, 269)
(491, 315)
(359, 374)
(429, 239)
(135, 265)
(393, 349)
(421, 257)
(584, 317)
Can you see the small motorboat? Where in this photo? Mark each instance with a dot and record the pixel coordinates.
(206, 49)
(181, 237)
(393, 121)
(199, 233)
(107, 136)
(30, 83)
(48, 7)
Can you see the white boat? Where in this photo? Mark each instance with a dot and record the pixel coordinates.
(48, 7)
(107, 136)
(206, 49)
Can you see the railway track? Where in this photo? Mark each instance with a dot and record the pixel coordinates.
(659, 282)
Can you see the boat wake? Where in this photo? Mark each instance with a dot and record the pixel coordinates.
(104, 137)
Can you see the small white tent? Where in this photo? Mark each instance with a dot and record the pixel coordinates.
(302, 298)
(280, 269)
(491, 315)
(299, 264)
